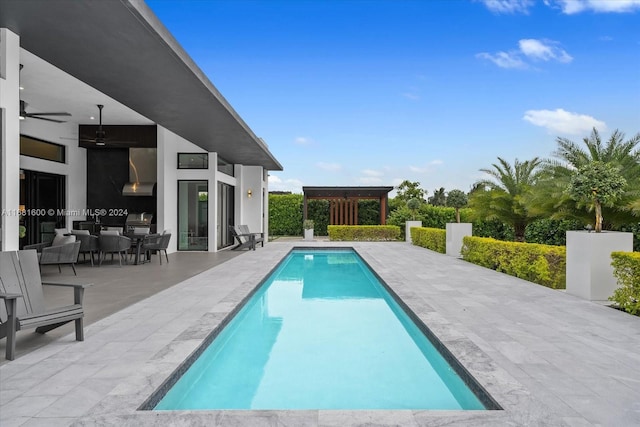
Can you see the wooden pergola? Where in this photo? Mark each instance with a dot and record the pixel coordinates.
(343, 202)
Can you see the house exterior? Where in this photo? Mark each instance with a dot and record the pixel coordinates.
(165, 143)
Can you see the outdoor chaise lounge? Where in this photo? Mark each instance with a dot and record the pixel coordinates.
(62, 250)
(24, 306)
(245, 238)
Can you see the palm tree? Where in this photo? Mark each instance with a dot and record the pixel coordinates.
(504, 197)
(439, 198)
(552, 197)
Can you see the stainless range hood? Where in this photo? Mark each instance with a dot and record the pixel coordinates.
(142, 172)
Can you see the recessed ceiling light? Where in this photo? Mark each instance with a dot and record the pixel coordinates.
(92, 118)
(21, 88)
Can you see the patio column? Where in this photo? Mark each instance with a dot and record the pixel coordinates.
(9, 139)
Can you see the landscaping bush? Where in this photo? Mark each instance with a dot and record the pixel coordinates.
(285, 214)
(541, 264)
(430, 238)
(363, 232)
(626, 268)
(318, 212)
(551, 231)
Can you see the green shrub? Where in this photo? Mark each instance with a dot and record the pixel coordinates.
(626, 268)
(541, 264)
(363, 232)
(318, 212)
(551, 231)
(285, 214)
(430, 238)
(368, 212)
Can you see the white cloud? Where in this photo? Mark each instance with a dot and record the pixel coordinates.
(278, 184)
(504, 59)
(533, 49)
(563, 121)
(436, 162)
(544, 50)
(570, 7)
(371, 172)
(417, 169)
(301, 140)
(369, 180)
(508, 6)
(332, 167)
(411, 96)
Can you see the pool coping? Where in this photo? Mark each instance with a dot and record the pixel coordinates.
(476, 388)
(126, 356)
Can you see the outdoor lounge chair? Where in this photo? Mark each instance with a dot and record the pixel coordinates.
(24, 306)
(62, 250)
(245, 238)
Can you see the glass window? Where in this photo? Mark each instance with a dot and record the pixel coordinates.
(40, 149)
(193, 160)
(193, 197)
(225, 167)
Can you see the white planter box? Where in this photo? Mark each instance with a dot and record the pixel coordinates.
(407, 229)
(589, 270)
(308, 234)
(455, 233)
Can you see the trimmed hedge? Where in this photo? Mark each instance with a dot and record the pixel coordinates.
(430, 238)
(541, 264)
(363, 232)
(285, 214)
(626, 268)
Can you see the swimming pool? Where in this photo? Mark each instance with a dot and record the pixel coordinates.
(321, 332)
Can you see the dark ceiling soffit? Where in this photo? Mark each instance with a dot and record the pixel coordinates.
(123, 50)
(345, 192)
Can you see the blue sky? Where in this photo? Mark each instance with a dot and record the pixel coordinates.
(375, 92)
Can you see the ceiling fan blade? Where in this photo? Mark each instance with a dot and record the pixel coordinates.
(44, 118)
(48, 114)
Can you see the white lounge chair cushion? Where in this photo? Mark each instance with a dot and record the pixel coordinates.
(62, 240)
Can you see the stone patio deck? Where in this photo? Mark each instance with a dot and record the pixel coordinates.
(546, 357)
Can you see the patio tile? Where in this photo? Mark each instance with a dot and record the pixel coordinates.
(548, 358)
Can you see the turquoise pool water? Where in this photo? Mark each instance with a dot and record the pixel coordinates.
(321, 333)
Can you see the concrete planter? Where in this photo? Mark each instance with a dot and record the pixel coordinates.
(589, 271)
(455, 233)
(407, 229)
(308, 234)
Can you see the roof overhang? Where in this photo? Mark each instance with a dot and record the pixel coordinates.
(346, 192)
(121, 49)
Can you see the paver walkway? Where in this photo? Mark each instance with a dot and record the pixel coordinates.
(546, 357)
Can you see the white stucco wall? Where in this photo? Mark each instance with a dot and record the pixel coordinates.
(10, 138)
(249, 210)
(74, 168)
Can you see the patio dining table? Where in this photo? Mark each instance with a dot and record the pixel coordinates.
(136, 240)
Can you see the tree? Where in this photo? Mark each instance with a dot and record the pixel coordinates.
(413, 205)
(551, 197)
(409, 190)
(439, 198)
(457, 199)
(596, 184)
(504, 196)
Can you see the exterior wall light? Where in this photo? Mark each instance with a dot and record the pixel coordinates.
(249, 193)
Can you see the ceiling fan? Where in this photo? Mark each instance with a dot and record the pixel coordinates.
(101, 135)
(24, 114)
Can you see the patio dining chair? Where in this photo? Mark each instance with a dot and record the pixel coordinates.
(156, 242)
(114, 244)
(88, 244)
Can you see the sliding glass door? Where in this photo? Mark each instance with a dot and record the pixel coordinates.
(193, 224)
(225, 214)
